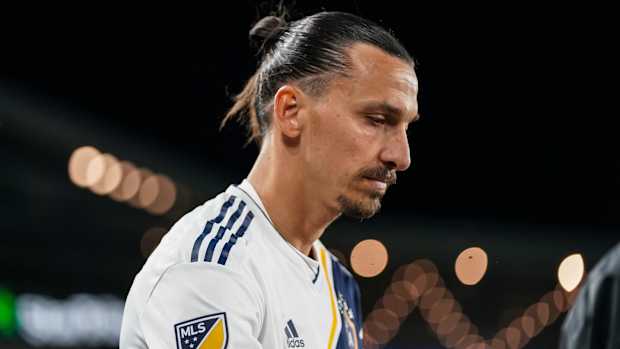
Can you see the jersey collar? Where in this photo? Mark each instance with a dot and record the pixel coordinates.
(311, 265)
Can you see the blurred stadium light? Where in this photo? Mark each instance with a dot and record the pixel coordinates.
(471, 265)
(570, 272)
(78, 321)
(369, 258)
(104, 174)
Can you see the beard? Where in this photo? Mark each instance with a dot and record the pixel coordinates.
(361, 208)
(368, 203)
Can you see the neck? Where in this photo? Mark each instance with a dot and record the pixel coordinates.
(290, 198)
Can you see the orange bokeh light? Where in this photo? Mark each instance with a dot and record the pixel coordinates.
(369, 258)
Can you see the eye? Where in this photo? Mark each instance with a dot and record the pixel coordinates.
(376, 119)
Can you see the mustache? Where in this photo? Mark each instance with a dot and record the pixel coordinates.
(380, 173)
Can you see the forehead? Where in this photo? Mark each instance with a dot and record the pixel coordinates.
(379, 76)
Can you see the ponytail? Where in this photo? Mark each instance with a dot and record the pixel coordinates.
(244, 110)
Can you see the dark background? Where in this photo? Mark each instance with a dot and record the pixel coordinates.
(516, 151)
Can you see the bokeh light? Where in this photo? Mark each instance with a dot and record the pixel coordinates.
(398, 305)
(412, 272)
(78, 164)
(143, 195)
(369, 258)
(430, 297)
(375, 333)
(452, 335)
(419, 284)
(528, 325)
(112, 175)
(542, 311)
(130, 183)
(471, 265)
(449, 323)
(104, 174)
(513, 337)
(166, 195)
(497, 343)
(95, 170)
(440, 310)
(406, 291)
(532, 312)
(554, 311)
(469, 341)
(571, 272)
(149, 191)
(477, 345)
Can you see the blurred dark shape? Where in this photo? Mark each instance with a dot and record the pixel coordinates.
(150, 240)
(594, 320)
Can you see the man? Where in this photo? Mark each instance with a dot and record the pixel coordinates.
(329, 106)
(594, 320)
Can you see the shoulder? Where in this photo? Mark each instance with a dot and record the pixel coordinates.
(190, 280)
(222, 231)
(342, 276)
(189, 291)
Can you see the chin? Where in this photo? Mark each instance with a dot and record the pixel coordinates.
(360, 208)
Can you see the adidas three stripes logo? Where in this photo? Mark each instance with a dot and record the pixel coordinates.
(210, 252)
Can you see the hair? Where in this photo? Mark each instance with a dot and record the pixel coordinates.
(310, 52)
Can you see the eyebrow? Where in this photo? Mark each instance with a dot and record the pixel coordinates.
(390, 109)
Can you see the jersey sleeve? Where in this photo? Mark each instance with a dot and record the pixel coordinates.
(199, 305)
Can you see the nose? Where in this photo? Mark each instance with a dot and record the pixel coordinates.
(395, 154)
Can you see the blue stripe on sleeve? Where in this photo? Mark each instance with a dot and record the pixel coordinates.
(220, 233)
(233, 238)
(209, 226)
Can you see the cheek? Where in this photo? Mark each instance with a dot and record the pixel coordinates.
(331, 146)
(328, 144)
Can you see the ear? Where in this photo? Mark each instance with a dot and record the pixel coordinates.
(286, 106)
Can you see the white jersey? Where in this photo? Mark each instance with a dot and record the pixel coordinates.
(223, 277)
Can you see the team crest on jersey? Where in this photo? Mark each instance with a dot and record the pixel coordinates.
(205, 332)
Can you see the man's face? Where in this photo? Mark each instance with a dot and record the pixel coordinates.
(357, 134)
